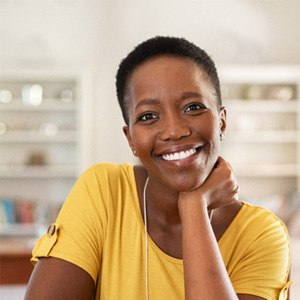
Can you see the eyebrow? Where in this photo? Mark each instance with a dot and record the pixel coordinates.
(148, 101)
(188, 95)
(155, 101)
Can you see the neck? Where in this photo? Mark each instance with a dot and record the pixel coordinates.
(162, 203)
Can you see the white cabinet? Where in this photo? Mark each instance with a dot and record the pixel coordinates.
(40, 146)
(263, 135)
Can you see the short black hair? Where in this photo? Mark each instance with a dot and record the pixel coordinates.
(162, 45)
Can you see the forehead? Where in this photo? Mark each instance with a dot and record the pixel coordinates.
(167, 73)
(165, 63)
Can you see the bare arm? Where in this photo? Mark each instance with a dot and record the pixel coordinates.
(205, 274)
(56, 279)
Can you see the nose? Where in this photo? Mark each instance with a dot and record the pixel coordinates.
(174, 128)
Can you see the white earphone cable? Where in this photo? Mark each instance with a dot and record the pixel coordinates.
(146, 238)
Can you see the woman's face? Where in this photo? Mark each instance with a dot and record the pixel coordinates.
(174, 122)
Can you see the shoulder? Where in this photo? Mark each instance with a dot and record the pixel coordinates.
(258, 227)
(106, 172)
(254, 229)
(263, 218)
(101, 181)
(257, 252)
(108, 168)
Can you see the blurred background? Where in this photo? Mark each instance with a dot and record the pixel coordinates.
(59, 113)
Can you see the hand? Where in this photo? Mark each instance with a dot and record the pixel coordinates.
(219, 189)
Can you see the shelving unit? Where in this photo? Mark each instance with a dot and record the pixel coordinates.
(263, 134)
(40, 146)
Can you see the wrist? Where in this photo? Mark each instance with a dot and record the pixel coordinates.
(190, 202)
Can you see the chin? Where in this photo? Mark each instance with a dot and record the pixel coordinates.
(194, 180)
(191, 186)
(187, 183)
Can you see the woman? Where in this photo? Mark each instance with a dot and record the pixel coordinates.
(172, 228)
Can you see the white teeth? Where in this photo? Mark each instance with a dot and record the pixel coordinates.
(179, 155)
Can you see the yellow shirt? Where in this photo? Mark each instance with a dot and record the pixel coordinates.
(100, 229)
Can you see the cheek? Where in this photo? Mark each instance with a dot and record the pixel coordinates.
(210, 132)
(210, 128)
(142, 142)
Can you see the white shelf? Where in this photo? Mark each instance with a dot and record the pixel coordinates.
(48, 105)
(37, 137)
(262, 170)
(19, 230)
(34, 172)
(262, 136)
(262, 73)
(261, 106)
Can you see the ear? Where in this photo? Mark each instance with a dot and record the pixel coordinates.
(223, 120)
(128, 137)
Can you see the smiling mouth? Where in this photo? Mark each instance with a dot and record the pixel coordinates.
(179, 155)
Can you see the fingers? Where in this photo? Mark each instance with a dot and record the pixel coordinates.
(222, 162)
(223, 186)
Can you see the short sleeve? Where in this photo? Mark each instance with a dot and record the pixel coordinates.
(78, 234)
(264, 261)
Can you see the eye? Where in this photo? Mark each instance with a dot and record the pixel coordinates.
(195, 107)
(147, 117)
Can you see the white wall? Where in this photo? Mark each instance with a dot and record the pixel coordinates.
(50, 32)
(93, 35)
